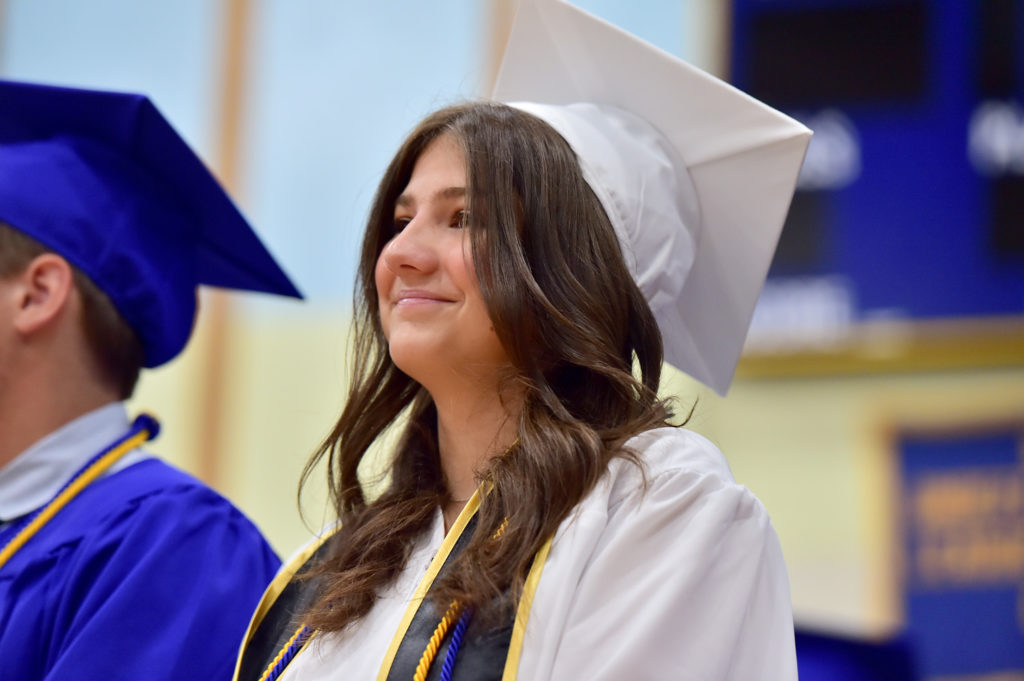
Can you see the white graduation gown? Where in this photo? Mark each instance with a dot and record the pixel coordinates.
(683, 579)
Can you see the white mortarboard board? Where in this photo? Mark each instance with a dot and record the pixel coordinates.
(695, 175)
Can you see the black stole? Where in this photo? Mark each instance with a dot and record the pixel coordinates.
(483, 652)
(281, 620)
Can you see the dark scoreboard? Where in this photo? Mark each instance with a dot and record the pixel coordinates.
(912, 193)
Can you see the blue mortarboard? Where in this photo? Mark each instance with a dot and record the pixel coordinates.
(105, 181)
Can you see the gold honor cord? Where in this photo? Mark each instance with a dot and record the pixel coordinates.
(79, 483)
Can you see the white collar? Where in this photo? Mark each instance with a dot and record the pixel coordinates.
(37, 474)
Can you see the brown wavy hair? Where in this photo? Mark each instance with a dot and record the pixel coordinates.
(576, 328)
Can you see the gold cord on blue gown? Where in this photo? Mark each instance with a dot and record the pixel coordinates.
(144, 428)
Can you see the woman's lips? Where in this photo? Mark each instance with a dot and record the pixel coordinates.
(409, 297)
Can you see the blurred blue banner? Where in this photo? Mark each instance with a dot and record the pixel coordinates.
(963, 541)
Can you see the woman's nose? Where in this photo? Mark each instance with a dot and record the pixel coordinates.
(411, 250)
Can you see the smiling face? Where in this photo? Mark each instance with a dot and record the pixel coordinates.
(431, 310)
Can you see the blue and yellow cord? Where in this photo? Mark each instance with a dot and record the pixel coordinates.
(440, 632)
(454, 611)
(287, 652)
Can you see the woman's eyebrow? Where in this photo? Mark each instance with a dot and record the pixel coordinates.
(449, 193)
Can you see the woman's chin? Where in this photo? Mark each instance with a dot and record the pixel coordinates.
(416, 359)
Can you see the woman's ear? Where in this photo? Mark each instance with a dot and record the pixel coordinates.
(42, 291)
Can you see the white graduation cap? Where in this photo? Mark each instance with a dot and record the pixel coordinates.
(695, 175)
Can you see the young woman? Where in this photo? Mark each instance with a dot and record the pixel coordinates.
(543, 519)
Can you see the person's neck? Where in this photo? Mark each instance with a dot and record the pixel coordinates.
(32, 407)
(472, 428)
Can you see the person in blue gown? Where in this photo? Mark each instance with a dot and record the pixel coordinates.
(113, 564)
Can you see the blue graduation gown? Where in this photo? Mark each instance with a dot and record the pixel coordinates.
(146, 575)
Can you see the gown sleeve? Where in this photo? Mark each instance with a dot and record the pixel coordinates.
(161, 590)
(684, 581)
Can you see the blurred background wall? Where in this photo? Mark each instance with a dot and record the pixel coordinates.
(879, 410)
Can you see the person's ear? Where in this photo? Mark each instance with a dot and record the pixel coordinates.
(42, 292)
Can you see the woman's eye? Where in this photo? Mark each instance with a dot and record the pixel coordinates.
(460, 219)
(400, 224)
